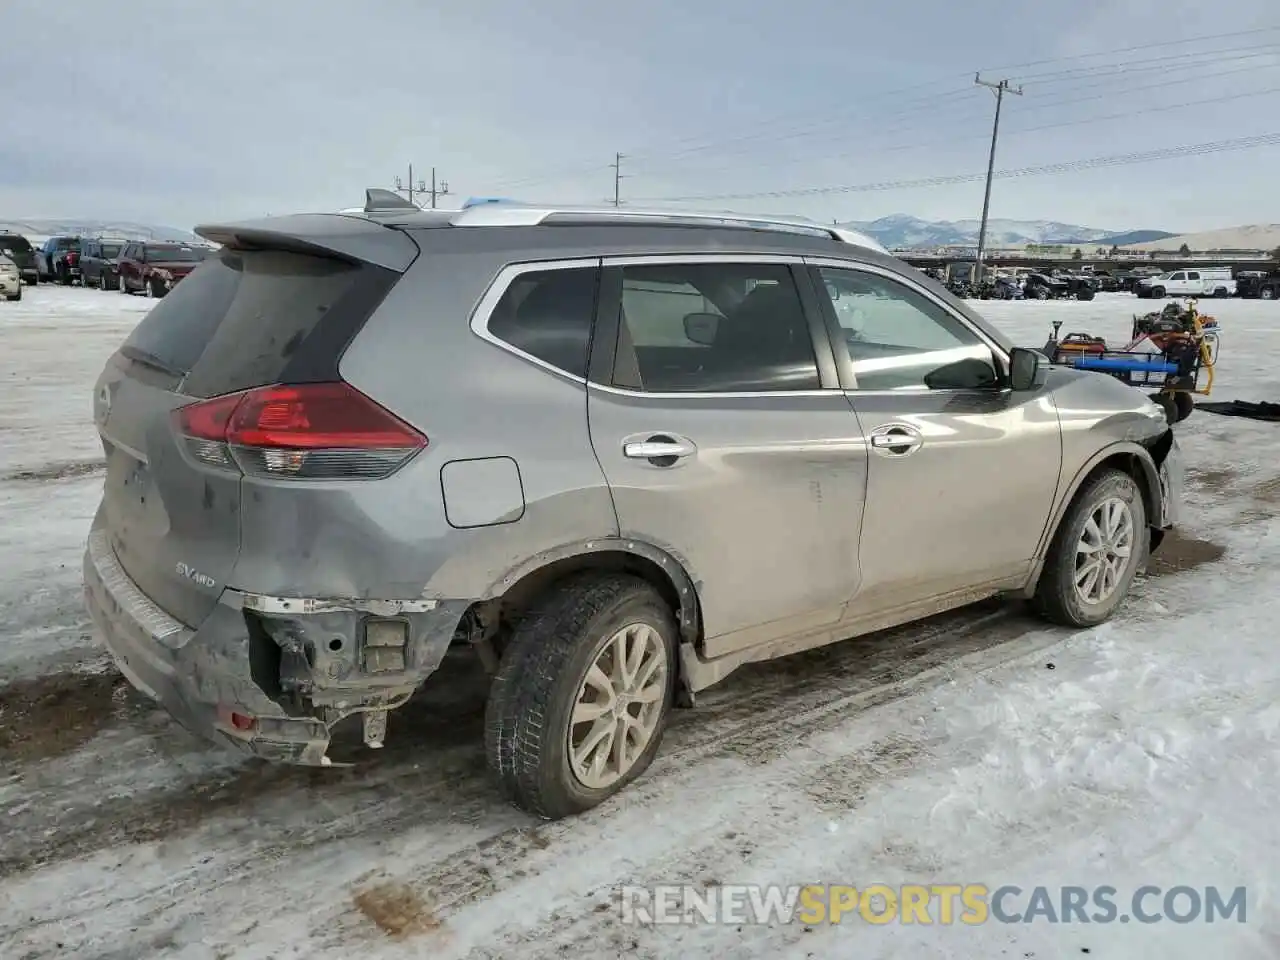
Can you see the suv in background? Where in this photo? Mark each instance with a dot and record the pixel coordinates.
(59, 260)
(98, 262)
(615, 454)
(153, 269)
(18, 249)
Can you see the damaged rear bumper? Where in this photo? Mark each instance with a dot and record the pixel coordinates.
(212, 679)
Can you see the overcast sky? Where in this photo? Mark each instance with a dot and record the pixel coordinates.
(180, 112)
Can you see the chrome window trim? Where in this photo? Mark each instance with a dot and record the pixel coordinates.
(497, 289)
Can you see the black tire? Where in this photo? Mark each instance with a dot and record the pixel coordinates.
(64, 275)
(1166, 403)
(1085, 294)
(1157, 293)
(1221, 293)
(1184, 404)
(14, 297)
(1267, 293)
(1056, 598)
(543, 665)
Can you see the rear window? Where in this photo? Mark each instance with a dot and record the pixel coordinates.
(240, 319)
(11, 244)
(173, 254)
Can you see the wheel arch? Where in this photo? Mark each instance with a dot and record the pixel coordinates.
(523, 584)
(1127, 456)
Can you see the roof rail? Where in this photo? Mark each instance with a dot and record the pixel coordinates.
(507, 214)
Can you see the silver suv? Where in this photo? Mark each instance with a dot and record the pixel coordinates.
(616, 454)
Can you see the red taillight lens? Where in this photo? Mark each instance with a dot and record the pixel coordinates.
(73, 257)
(307, 431)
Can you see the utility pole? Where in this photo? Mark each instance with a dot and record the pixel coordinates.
(617, 178)
(1000, 89)
(401, 187)
(442, 191)
(420, 186)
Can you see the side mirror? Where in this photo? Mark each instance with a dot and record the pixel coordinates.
(701, 327)
(967, 374)
(1027, 369)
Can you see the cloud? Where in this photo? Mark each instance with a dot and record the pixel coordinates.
(142, 110)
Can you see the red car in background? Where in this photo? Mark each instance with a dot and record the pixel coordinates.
(152, 268)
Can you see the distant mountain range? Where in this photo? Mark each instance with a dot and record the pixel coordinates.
(121, 229)
(902, 232)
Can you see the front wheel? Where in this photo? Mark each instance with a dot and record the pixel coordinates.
(1220, 293)
(582, 694)
(1267, 293)
(1157, 292)
(1095, 552)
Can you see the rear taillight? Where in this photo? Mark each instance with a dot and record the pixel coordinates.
(313, 431)
(73, 258)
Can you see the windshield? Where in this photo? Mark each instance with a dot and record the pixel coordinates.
(174, 255)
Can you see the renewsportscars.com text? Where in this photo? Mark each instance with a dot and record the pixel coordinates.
(938, 903)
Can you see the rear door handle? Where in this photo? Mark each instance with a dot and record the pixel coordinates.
(660, 449)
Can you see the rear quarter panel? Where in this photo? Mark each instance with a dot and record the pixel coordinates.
(418, 357)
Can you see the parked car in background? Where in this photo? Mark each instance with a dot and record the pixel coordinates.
(1204, 282)
(739, 439)
(10, 279)
(1258, 285)
(153, 269)
(98, 262)
(59, 260)
(1043, 286)
(18, 249)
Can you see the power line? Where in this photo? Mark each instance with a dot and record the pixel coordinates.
(687, 145)
(1018, 131)
(1014, 67)
(1115, 160)
(927, 120)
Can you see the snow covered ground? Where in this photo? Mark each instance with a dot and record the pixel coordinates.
(979, 747)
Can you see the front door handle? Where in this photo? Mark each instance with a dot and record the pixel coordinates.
(660, 449)
(896, 440)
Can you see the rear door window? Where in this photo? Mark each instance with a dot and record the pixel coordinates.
(240, 318)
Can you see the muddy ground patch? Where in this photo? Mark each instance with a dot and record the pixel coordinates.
(46, 717)
(1178, 553)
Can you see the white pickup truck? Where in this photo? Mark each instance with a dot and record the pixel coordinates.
(1206, 282)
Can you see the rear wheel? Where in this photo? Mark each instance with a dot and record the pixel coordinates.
(1220, 292)
(582, 695)
(1267, 293)
(15, 296)
(1095, 552)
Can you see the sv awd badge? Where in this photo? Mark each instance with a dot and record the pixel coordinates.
(195, 576)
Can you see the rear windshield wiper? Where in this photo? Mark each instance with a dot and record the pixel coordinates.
(148, 359)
